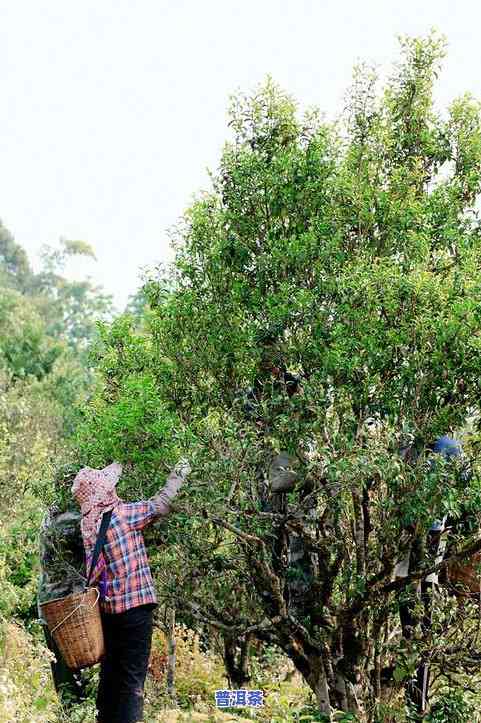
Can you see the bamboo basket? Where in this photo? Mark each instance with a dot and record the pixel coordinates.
(76, 626)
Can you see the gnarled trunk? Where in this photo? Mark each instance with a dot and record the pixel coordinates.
(318, 683)
(236, 660)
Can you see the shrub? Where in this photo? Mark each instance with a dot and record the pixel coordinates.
(26, 690)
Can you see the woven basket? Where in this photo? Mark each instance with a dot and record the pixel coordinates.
(465, 576)
(76, 626)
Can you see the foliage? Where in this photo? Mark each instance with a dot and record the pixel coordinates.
(26, 692)
(68, 309)
(19, 554)
(137, 305)
(197, 675)
(452, 708)
(15, 269)
(42, 382)
(71, 308)
(25, 349)
(132, 422)
(29, 428)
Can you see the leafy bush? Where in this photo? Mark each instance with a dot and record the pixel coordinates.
(26, 349)
(452, 707)
(26, 691)
(19, 560)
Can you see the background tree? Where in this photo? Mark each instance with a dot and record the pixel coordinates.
(43, 380)
(71, 308)
(15, 268)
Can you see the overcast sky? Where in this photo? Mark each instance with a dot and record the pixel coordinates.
(112, 111)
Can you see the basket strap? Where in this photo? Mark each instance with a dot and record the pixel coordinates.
(80, 605)
(99, 542)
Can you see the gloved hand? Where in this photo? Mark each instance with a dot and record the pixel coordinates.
(183, 468)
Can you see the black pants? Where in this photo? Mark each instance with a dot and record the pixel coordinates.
(128, 638)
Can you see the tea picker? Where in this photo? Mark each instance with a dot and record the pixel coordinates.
(111, 620)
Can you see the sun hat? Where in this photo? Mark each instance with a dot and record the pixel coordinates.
(94, 490)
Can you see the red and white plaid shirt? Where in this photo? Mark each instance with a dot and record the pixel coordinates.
(124, 564)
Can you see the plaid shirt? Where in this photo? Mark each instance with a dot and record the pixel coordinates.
(124, 565)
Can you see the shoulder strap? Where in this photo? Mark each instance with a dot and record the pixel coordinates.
(100, 542)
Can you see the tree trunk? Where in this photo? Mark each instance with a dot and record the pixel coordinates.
(171, 647)
(317, 681)
(236, 660)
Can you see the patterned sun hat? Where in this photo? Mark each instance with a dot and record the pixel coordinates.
(92, 485)
(94, 490)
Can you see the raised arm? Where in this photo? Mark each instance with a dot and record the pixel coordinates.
(164, 497)
(140, 514)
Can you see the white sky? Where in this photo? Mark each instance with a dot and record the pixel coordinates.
(112, 111)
